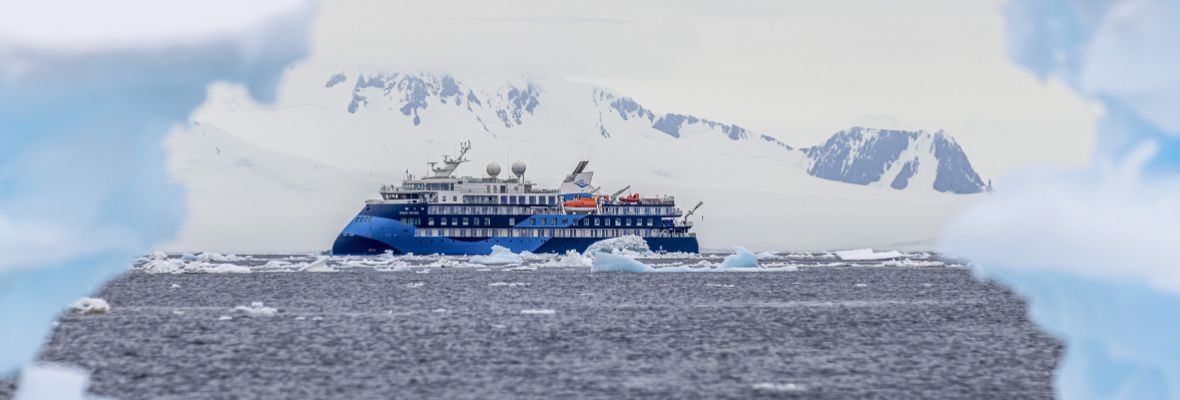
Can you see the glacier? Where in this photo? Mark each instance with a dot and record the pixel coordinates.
(84, 110)
(1092, 249)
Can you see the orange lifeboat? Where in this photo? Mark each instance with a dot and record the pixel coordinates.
(632, 198)
(582, 204)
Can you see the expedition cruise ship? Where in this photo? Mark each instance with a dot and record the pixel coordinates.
(444, 214)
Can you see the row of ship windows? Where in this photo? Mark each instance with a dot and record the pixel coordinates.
(505, 210)
(536, 221)
(560, 233)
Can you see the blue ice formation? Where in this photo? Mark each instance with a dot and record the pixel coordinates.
(1093, 249)
(84, 108)
(741, 258)
(608, 262)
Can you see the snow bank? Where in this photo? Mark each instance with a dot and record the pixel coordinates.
(88, 92)
(867, 255)
(90, 306)
(1093, 249)
(500, 256)
(53, 382)
(741, 258)
(257, 309)
(629, 245)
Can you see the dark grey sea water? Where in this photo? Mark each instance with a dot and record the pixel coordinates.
(816, 333)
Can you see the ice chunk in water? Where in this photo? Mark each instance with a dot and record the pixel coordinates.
(741, 258)
(607, 262)
(867, 255)
(500, 256)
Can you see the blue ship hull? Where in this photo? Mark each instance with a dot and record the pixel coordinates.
(380, 228)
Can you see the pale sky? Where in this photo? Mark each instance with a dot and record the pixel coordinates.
(797, 70)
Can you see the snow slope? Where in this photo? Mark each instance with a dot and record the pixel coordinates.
(756, 188)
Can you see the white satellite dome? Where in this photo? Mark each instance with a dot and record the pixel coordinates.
(518, 168)
(493, 169)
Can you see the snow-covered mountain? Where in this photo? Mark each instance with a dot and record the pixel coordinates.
(895, 158)
(864, 156)
(287, 177)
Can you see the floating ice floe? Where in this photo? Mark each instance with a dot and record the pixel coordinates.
(396, 266)
(607, 262)
(569, 259)
(912, 263)
(778, 387)
(627, 245)
(867, 255)
(500, 256)
(741, 261)
(319, 265)
(509, 284)
(210, 257)
(413, 285)
(766, 255)
(257, 309)
(539, 312)
(741, 258)
(90, 306)
(160, 263)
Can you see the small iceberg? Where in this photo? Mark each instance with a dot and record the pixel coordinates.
(257, 309)
(500, 256)
(607, 262)
(867, 255)
(319, 265)
(90, 306)
(569, 259)
(538, 312)
(741, 258)
(628, 245)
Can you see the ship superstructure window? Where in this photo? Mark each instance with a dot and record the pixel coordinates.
(442, 221)
(532, 199)
(487, 221)
(430, 221)
(512, 221)
(464, 221)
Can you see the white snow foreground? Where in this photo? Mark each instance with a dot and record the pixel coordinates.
(1093, 249)
(108, 158)
(53, 382)
(90, 306)
(867, 255)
